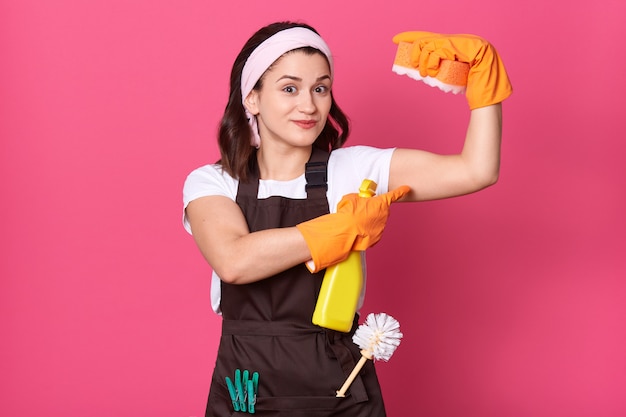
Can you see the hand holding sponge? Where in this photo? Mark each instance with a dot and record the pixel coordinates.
(454, 63)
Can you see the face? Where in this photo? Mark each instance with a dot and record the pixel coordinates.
(293, 103)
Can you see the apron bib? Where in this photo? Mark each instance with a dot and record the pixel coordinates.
(267, 327)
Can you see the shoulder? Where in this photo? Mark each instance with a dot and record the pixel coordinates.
(357, 153)
(209, 180)
(348, 167)
(361, 162)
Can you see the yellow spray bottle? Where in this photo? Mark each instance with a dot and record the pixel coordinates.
(342, 285)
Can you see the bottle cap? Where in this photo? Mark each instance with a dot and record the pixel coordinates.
(367, 188)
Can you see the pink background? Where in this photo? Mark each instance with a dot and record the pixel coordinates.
(512, 301)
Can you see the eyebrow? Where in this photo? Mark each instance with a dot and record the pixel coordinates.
(293, 77)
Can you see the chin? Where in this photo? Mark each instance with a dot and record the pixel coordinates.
(304, 140)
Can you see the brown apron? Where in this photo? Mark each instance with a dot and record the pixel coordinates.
(267, 326)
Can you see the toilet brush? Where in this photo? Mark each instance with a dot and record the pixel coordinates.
(378, 337)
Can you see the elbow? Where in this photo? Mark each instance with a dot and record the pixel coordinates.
(486, 179)
(230, 274)
(229, 269)
(491, 179)
(239, 273)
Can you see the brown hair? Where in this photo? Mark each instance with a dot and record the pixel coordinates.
(237, 154)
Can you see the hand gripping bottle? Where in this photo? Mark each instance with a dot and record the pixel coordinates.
(342, 285)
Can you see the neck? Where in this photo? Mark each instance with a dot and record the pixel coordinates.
(282, 165)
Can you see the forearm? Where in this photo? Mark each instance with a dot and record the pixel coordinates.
(481, 150)
(255, 256)
(236, 255)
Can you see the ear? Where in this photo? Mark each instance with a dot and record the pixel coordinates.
(250, 103)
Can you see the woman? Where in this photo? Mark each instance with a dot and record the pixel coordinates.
(271, 214)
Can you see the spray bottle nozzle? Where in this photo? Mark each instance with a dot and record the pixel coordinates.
(367, 188)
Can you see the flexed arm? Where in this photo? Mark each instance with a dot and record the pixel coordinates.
(433, 176)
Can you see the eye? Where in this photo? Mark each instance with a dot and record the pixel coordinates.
(289, 89)
(322, 89)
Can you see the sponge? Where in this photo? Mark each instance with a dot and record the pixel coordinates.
(451, 78)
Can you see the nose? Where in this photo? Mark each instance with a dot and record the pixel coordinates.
(307, 103)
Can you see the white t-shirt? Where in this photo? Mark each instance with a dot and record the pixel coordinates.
(347, 168)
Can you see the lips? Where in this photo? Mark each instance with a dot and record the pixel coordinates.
(306, 124)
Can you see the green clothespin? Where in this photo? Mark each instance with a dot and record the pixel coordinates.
(253, 385)
(251, 397)
(244, 382)
(255, 382)
(240, 391)
(233, 393)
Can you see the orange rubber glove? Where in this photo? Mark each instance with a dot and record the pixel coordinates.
(487, 81)
(357, 225)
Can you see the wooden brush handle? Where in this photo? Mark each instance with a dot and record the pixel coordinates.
(357, 368)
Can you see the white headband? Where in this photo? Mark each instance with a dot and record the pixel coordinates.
(267, 53)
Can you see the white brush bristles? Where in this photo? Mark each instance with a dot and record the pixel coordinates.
(380, 335)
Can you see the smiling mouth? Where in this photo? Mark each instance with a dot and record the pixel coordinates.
(306, 124)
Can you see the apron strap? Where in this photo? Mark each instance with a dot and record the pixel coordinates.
(316, 173)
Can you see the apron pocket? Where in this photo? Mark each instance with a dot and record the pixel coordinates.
(305, 404)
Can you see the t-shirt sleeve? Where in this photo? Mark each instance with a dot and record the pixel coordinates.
(209, 180)
(349, 166)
